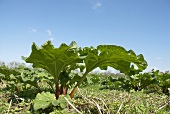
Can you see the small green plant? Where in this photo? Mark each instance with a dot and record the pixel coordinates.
(46, 99)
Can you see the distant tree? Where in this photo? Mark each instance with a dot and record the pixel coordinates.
(2, 63)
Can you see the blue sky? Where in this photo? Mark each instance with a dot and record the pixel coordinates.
(140, 25)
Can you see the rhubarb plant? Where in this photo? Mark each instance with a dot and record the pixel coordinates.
(54, 60)
(57, 60)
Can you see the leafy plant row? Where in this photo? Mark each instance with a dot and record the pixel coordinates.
(153, 81)
(46, 100)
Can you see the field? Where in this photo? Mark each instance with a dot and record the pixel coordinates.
(62, 80)
(93, 97)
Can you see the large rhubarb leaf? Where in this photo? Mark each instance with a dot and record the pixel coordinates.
(111, 55)
(114, 56)
(54, 60)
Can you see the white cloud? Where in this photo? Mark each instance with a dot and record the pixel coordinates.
(51, 38)
(158, 58)
(49, 32)
(33, 30)
(97, 6)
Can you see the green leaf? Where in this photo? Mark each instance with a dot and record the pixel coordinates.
(114, 56)
(64, 77)
(62, 101)
(23, 58)
(75, 79)
(54, 60)
(55, 103)
(44, 100)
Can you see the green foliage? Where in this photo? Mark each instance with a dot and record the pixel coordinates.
(47, 100)
(163, 81)
(54, 60)
(88, 98)
(20, 77)
(151, 82)
(111, 55)
(5, 73)
(44, 100)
